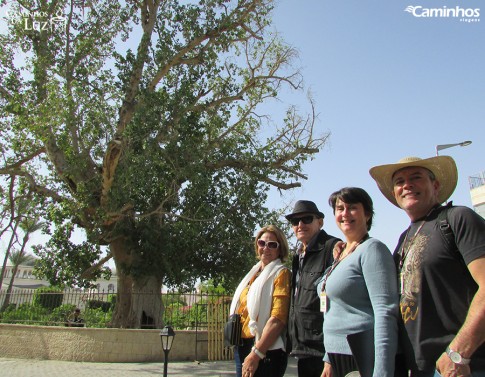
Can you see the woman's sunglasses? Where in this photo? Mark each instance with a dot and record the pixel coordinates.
(305, 220)
(270, 244)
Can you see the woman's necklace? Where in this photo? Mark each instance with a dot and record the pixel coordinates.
(340, 257)
(409, 243)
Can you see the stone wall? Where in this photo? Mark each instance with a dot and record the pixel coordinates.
(98, 345)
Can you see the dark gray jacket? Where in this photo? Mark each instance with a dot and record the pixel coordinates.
(306, 321)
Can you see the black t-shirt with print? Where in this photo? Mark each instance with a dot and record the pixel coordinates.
(438, 287)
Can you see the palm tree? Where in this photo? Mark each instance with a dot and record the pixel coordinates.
(20, 257)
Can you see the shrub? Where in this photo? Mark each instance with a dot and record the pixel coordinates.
(61, 314)
(97, 317)
(98, 304)
(26, 313)
(48, 297)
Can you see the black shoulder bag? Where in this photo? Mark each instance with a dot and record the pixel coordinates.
(232, 331)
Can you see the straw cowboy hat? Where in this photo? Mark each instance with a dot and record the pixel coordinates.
(443, 168)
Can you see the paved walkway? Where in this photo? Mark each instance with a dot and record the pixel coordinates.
(51, 368)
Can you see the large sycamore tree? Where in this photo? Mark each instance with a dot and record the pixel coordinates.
(141, 123)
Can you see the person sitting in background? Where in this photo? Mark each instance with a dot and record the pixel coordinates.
(75, 319)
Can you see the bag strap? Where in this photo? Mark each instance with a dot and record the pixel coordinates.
(445, 227)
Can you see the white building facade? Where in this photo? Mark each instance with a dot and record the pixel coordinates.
(477, 193)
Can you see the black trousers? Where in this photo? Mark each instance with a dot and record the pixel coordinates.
(342, 364)
(273, 365)
(310, 366)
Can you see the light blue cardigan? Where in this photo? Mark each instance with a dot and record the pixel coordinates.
(362, 294)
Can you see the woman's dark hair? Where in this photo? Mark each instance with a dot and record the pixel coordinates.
(354, 195)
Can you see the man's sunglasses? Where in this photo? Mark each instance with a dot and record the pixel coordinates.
(305, 220)
(270, 244)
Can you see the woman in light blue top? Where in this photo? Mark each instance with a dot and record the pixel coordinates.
(359, 295)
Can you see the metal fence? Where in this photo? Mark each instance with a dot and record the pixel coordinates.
(180, 310)
(478, 181)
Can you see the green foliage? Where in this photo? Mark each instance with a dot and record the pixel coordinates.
(61, 313)
(98, 304)
(213, 289)
(10, 307)
(27, 314)
(36, 315)
(70, 258)
(48, 297)
(97, 318)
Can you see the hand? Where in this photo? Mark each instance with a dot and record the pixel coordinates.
(448, 368)
(250, 365)
(338, 249)
(327, 370)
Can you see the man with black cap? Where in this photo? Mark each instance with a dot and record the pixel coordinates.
(441, 264)
(312, 258)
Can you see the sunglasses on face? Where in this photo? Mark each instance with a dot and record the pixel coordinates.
(270, 244)
(305, 220)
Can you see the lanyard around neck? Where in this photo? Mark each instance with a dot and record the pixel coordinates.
(404, 253)
(339, 259)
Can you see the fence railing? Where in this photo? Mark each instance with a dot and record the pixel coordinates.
(180, 310)
(202, 312)
(477, 181)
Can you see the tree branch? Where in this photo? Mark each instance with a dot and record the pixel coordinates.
(88, 274)
(127, 110)
(22, 161)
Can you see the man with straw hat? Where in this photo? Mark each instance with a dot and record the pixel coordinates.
(441, 264)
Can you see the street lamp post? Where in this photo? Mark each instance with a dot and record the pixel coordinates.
(445, 146)
(166, 336)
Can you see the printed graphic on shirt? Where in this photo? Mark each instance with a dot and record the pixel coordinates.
(411, 277)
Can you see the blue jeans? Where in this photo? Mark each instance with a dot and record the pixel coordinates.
(273, 365)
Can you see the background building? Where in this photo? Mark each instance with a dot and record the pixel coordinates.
(477, 192)
(25, 279)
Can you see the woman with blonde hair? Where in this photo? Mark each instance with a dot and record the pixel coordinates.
(262, 299)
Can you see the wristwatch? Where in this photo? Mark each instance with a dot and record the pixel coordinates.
(456, 357)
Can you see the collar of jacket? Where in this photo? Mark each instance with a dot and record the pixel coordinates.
(317, 243)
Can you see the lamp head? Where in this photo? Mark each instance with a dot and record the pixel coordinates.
(167, 335)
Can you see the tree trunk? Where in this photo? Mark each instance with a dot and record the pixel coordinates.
(9, 289)
(138, 302)
(122, 311)
(122, 316)
(147, 302)
(7, 253)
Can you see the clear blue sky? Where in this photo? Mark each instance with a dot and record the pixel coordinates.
(387, 85)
